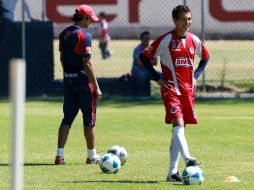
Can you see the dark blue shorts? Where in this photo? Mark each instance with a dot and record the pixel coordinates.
(79, 94)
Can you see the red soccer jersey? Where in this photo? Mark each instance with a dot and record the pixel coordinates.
(177, 59)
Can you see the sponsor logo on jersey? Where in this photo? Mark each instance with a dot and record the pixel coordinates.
(184, 62)
(70, 75)
(173, 109)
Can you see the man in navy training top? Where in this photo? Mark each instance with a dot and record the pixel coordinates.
(81, 89)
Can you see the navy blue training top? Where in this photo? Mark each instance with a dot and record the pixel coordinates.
(74, 44)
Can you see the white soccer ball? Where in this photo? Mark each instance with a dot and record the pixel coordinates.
(110, 163)
(120, 152)
(193, 175)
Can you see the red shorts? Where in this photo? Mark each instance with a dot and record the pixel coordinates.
(179, 107)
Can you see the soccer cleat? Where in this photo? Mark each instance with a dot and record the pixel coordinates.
(174, 178)
(59, 160)
(192, 162)
(95, 160)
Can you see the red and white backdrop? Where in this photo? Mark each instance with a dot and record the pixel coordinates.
(127, 16)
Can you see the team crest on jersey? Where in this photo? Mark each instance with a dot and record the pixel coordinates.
(175, 44)
(173, 109)
(191, 50)
(184, 62)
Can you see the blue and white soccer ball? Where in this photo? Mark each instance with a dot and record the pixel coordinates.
(120, 152)
(110, 163)
(193, 175)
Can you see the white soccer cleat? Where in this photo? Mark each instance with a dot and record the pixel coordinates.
(95, 160)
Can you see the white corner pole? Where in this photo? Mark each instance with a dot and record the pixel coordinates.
(17, 85)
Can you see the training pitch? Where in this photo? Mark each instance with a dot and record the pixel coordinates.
(223, 140)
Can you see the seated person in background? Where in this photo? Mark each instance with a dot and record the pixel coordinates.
(139, 73)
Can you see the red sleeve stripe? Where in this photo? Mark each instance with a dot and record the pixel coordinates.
(80, 47)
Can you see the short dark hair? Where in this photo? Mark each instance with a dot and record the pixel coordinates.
(77, 17)
(143, 34)
(178, 9)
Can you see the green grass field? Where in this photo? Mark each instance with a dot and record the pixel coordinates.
(223, 140)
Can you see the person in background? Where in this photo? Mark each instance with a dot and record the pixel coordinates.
(81, 89)
(139, 73)
(8, 10)
(104, 36)
(177, 50)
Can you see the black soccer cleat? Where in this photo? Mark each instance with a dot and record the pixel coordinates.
(191, 162)
(174, 178)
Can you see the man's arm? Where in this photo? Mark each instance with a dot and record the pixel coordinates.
(148, 65)
(138, 62)
(164, 84)
(61, 59)
(91, 76)
(201, 66)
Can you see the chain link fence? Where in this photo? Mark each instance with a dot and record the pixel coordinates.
(226, 27)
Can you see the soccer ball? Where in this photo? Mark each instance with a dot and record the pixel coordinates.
(120, 152)
(110, 163)
(193, 175)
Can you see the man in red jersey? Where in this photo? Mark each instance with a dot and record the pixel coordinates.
(177, 50)
(81, 89)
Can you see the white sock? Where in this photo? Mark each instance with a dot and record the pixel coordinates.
(174, 157)
(91, 153)
(180, 141)
(60, 152)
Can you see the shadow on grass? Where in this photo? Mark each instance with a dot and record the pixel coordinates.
(4, 164)
(39, 164)
(29, 164)
(126, 181)
(112, 181)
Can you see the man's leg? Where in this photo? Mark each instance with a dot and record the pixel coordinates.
(70, 109)
(179, 138)
(88, 109)
(89, 133)
(63, 133)
(103, 50)
(141, 80)
(108, 53)
(174, 155)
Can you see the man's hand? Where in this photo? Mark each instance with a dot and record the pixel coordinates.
(165, 84)
(194, 84)
(98, 94)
